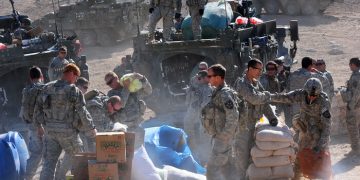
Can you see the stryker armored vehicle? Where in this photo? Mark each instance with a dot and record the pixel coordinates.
(17, 58)
(101, 22)
(168, 65)
(292, 7)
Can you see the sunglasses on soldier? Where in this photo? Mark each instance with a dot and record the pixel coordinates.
(110, 81)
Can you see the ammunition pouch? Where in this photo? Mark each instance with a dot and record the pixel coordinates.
(208, 119)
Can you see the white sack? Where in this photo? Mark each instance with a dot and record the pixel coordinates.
(274, 135)
(272, 161)
(258, 173)
(179, 174)
(142, 166)
(256, 152)
(272, 145)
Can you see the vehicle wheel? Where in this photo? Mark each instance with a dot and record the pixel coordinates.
(272, 6)
(310, 7)
(292, 8)
(87, 37)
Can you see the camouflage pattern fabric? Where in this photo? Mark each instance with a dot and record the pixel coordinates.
(163, 9)
(297, 80)
(56, 68)
(35, 144)
(225, 115)
(351, 95)
(60, 108)
(194, 7)
(272, 84)
(331, 86)
(314, 119)
(198, 140)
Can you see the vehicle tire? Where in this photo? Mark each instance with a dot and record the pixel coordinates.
(272, 6)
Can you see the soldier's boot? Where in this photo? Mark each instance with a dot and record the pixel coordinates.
(353, 134)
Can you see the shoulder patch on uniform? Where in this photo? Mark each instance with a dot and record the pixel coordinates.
(229, 104)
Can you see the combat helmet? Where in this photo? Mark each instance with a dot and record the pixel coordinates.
(313, 87)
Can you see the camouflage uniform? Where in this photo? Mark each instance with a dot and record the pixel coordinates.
(297, 80)
(272, 85)
(198, 141)
(35, 144)
(351, 95)
(60, 108)
(163, 9)
(256, 100)
(133, 107)
(194, 7)
(56, 68)
(83, 66)
(331, 86)
(97, 108)
(223, 111)
(313, 122)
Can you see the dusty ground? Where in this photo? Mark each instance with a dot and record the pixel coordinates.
(333, 37)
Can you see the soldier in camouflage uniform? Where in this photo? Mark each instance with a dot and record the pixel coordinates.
(125, 66)
(102, 108)
(196, 10)
(58, 64)
(198, 97)
(351, 95)
(29, 96)
(220, 120)
(321, 66)
(133, 105)
(270, 82)
(163, 9)
(314, 120)
(60, 110)
(83, 84)
(250, 91)
(80, 61)
(298, 78)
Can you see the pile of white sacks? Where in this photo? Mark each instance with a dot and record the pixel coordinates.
(274, 153)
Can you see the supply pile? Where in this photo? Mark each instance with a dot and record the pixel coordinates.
(113, 158)
(273, 153)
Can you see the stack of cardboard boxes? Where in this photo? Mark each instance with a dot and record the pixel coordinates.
(113, 159)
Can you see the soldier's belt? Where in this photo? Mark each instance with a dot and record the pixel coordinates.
(59, 127)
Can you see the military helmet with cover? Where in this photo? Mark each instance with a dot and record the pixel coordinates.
(313, 87)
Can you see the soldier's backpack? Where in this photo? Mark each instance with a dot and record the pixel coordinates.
(208, 113)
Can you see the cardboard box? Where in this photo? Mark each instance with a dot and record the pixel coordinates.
(103, 171)
(111, 147)
(80, 168)
(125, 168)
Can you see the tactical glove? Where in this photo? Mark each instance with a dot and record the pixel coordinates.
(177, 15)
(151, 10)
(201, 12)
(273, 122)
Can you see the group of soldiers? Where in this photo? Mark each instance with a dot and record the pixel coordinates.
(229, 114)
(63, 116)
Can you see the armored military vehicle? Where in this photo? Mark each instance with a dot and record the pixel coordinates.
(168, 65)
(16, 59)
(292, 7)
(101, 22)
